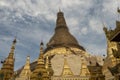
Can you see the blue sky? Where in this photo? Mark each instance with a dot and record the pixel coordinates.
(33, 21)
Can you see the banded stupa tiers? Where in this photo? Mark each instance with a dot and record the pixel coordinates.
(40, 72)
(49, 67)
(84, 72)
(8, 66)
(26, 72)
(61, 44)
(66, 69)
(62, 37)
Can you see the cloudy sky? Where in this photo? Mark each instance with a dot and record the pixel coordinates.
(33, 21)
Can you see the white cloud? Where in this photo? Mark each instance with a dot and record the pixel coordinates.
(109, 6)
(72, 22)
(96, 26)
(84, 30)
(3, 3)
(71, 3)
(27, 17)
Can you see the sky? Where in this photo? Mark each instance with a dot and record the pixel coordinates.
(33, 21)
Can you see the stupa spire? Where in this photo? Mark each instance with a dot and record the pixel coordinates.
(41, 47)
(66, 69)
(59, 10)
(25, 73)
(8, 65)
(49, 67)
(84, 70)
(62, 37)
(40, 71)
(60, 20)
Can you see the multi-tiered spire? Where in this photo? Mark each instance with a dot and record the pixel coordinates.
(40, 71)
(66, 69)
(25, 73)
(62, 36)
(8, 65)
(49, 67)
(84, 69)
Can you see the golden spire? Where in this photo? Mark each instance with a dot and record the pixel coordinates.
(41, 48)
(26, 70)
(49, 67)
(8, 65)
(84, 70)
(66, 69)
(40, 71)
(41, 59)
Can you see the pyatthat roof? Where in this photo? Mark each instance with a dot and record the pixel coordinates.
(62, 36)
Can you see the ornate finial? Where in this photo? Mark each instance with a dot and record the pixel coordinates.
(41, 44)
(118, 10)
(14, 41)
(28, 57)
(103, 24)
(41, 47)
(41, 50)
(104, 28)
(59, 9)
(28, 61)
